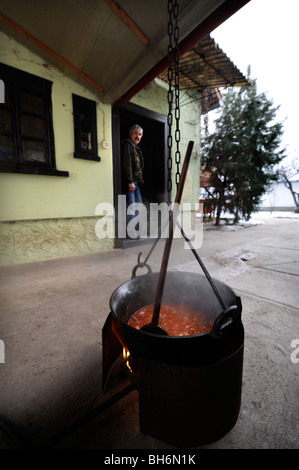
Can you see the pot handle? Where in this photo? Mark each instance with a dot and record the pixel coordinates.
(233, 312)
(140, 265)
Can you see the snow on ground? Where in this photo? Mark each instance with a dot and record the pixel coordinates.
(258, 218)
(228, 264)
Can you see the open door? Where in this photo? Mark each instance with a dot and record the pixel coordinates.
(154, 148)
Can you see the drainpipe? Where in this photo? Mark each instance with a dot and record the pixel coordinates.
(219, 16)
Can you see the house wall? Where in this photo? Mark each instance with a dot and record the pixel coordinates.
(279, 197)
(46, 217)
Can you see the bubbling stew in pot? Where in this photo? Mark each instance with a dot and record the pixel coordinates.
(178, 320)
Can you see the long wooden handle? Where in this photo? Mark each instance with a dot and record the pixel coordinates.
(172, 223)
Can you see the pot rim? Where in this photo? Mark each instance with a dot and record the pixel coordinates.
(175, 273)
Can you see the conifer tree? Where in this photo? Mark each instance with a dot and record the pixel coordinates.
(242, 153)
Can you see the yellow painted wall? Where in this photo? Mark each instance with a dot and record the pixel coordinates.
(46, 217)
(25, 197)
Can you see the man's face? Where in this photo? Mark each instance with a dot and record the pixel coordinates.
(136, 136)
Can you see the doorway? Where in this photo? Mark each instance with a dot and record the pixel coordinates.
(154, 149)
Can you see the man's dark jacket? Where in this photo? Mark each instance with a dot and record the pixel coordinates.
(132, 163)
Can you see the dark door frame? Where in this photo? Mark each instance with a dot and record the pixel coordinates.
(136, 114)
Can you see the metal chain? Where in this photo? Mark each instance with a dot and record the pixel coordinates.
(177, 91)
(173, 69)
(170, 98)
(173, 56)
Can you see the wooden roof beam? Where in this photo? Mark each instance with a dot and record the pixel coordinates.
(49, 51)
(127, 20)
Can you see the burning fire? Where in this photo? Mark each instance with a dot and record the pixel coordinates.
(126, 356)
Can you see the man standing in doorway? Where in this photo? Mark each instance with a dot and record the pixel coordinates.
(132, 173)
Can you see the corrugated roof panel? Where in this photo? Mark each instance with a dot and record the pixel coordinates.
(207, 66)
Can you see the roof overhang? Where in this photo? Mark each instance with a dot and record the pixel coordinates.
(114, 48)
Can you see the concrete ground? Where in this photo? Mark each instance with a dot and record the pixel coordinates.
(52, 314)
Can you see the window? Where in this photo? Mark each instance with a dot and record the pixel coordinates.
(85, 129)
(26, 128)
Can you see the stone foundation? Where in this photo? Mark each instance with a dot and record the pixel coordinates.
(37, 240)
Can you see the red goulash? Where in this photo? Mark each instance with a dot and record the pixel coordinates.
(178, 320)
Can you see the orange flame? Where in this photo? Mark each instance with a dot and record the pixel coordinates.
(126, 356)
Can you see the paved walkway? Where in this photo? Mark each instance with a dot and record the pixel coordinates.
(52, 314)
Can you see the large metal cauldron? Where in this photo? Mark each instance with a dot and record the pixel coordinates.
(189, 386)
(185, 288)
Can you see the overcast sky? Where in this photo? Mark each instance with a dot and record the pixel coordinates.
(264, 34)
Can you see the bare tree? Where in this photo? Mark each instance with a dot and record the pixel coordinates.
(286, 173)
